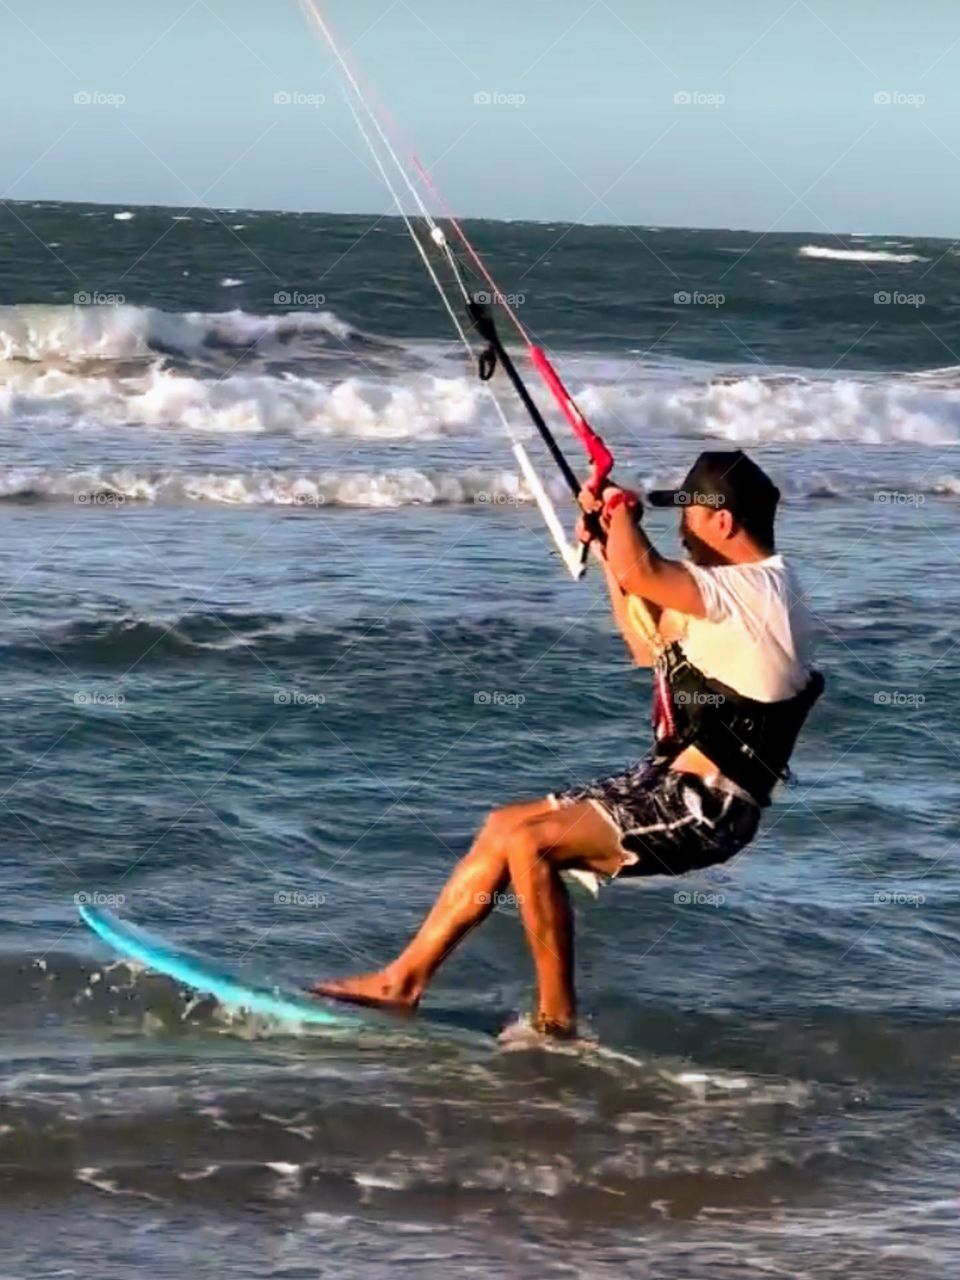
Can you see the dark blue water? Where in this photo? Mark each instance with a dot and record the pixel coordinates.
(263, 578)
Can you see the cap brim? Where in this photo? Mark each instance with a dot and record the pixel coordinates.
(663, 497)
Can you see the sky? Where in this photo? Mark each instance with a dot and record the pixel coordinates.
(772, 115)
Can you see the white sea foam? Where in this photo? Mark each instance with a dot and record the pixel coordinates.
(78, 334)
(240, 403)
(57, 373)
(857, 255)
(198, 1175)
(412, 407)
(761, 410)
(400, 487)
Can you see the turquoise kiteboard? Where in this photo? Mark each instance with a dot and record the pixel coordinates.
(130, 942)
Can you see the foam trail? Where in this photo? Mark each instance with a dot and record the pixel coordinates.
(857, 255)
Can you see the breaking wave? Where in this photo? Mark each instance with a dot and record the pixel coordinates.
(857, 255)
(239, 403)
(411, 403)
(116, 488)
(87, 331)
(753, 409)
(399, 487)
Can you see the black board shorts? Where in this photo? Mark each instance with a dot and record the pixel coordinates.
(669, 822)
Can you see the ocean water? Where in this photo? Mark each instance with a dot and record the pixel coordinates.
(280, 625)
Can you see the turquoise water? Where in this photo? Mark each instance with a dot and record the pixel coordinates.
(264, 579)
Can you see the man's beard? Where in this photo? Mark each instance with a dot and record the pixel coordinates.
(699, 552)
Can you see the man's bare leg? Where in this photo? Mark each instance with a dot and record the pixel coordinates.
(530, 845)
(576, 835)
(465, 901)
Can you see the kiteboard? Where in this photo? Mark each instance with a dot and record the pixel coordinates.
(131, 942)
(285, 1005)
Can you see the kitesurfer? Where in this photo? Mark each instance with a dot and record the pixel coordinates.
(733, 687)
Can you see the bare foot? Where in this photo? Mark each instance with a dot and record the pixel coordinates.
(555, 1028)
(377, 990)
(532, 1032)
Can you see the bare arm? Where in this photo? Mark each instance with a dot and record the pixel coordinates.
(640, 570)
(638, 624)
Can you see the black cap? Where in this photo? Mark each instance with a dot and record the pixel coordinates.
(723, 479)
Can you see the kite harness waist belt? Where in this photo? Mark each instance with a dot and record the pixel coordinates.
(750, 742)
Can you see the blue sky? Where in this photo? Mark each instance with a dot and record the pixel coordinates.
(782, 129)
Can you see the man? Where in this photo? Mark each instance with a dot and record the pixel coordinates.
(728, 635)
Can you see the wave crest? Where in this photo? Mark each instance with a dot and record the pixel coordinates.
(399, 487)
(81, 333)
(857, 255)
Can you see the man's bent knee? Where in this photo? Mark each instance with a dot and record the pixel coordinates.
(577, 836)
(501, 824)
(526, 847)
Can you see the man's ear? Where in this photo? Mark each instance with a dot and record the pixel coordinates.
(723, 523)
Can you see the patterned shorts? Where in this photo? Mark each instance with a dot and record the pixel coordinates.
(669, 822)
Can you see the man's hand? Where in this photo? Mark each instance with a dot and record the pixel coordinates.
(590, 507)
(601, 509)
(588, 500)
(637, 567)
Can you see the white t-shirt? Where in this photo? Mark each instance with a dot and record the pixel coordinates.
(757, 635)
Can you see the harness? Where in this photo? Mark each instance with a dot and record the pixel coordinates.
(750, 742)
